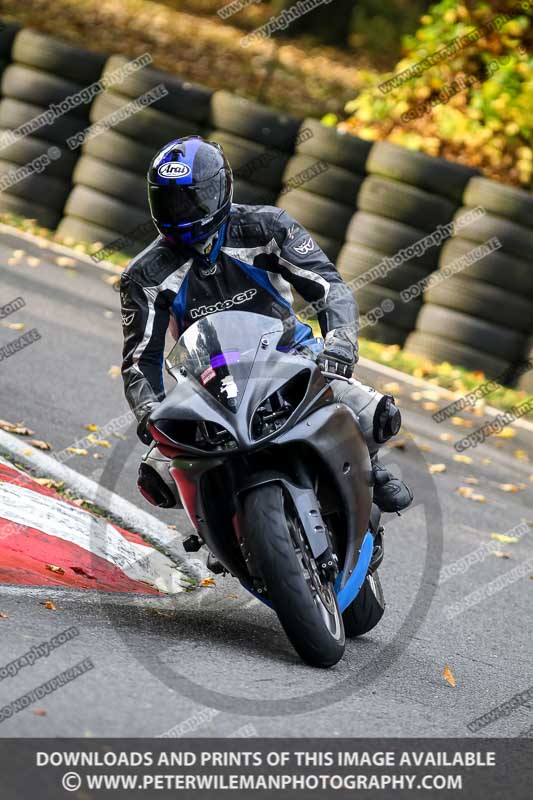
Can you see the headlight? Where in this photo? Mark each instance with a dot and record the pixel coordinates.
(208, 436)
(274, 412)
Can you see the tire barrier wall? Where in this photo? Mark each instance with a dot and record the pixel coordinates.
(482, 318)
(42, 71)
(368, 206)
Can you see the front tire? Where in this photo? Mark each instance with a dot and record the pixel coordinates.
(305, 604)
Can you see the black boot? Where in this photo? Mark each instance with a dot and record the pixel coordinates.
(390, 493)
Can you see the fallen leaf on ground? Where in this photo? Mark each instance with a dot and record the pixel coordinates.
(65, 261)
(18, 428)
(425, 448)
(400, 444)
(49, 605)
(486, 461)
(436, 469)
(120, 436)
(430, 406)
(49, 483)
(448, 676)
(4, 616)
(466, 491)
(207, 582)
(171, 526)
(462, 423)
(472, 480)
(500, 554)
(33, 261)
(18, 253)
(91, 427)
(502, 537)
(392, 388)
(40, 444)
(27, 452)
(16, 326)
(232, 596)
(462, 459)
(53, 568)
(509, 487)
(112, 280)
(446, 437)
(521, 455)
(77, 451)
(100, 442)
(39, 712)
(97, 455)
(114, 371)
(81, 571)
(416, 396)
(506, 433)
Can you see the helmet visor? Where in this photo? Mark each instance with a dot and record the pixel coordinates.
(176, 204)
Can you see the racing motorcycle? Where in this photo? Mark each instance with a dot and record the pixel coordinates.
(275, 477)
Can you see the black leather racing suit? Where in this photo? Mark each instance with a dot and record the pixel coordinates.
(259, 257)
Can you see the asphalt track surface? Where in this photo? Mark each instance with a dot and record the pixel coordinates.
(158, 663)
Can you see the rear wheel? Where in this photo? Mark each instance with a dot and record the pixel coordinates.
(304, 601)
(366, 610)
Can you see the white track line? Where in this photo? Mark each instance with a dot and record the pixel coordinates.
(151, 530)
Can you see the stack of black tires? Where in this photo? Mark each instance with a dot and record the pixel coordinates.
(7, 35)
(405, 198)
(322, 182)
(109, 201)
(43, 71)
(482, 316)
(258, 143)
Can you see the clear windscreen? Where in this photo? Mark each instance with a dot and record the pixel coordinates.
(219, 352)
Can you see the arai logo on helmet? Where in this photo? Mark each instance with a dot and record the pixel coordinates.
(173, 169)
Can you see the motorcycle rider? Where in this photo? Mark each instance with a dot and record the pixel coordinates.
(213, 254)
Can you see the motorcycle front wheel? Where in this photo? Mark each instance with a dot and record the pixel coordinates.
(304, 601)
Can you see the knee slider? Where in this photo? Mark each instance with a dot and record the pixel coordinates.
(153, 488)
(387, 419)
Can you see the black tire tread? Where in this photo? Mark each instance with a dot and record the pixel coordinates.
(435, 175)
(322, 215)
(332, 182)
(45, 52)
(405, 203)
(253, 121)
(269, 541)
(438, 349)
(335, 147)
(504, 201)
(489, 303)
(389, 237)
(184, 99)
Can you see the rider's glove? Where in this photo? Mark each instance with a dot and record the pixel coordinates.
(340, 352)
(142, 428)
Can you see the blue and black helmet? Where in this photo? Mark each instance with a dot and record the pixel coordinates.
(190, 189)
